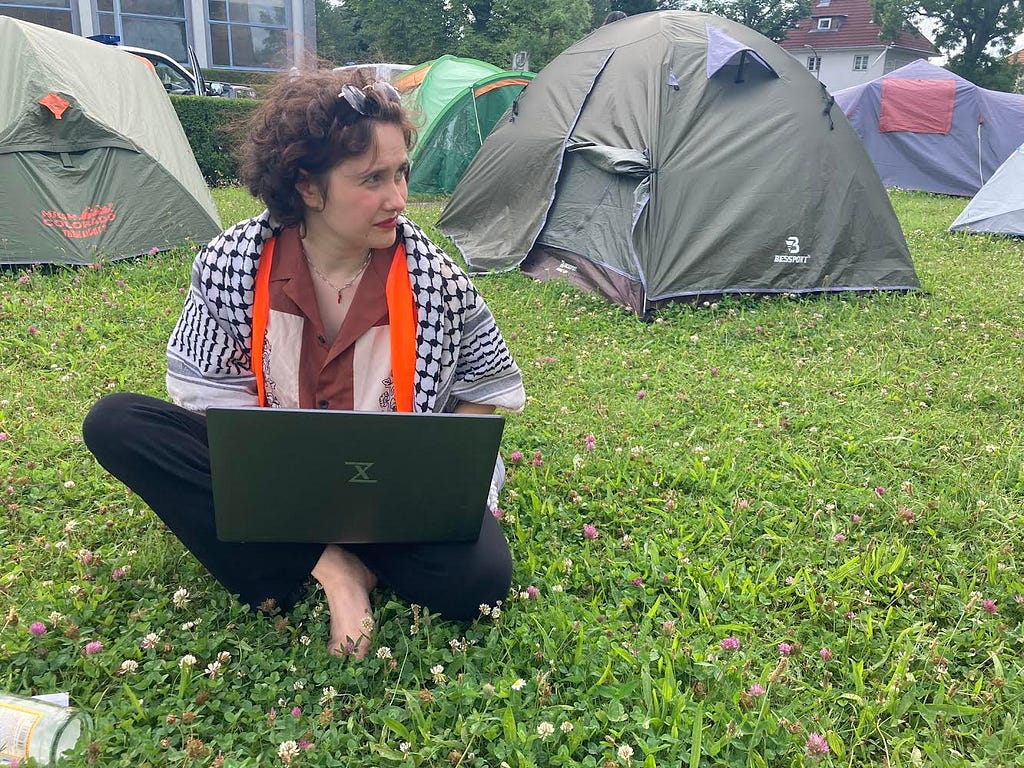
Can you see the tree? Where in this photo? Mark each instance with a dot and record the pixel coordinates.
(542, 28)
(410, 31)
(976, 35)
(338, 35)
(772, 18)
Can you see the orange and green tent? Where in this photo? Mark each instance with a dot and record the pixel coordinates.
(458, 102)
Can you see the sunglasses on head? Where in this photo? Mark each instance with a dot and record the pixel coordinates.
(360, 101)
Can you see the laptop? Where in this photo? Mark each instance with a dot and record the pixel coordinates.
(298, 475)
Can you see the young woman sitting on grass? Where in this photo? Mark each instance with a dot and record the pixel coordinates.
(330, 161)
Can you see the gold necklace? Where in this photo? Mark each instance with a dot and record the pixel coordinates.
(347, 285)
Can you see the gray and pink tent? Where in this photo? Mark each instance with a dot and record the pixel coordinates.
(929, 129)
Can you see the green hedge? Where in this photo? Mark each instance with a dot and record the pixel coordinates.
(214, 128)
(243, 76)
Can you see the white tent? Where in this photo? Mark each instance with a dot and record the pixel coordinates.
(999, 205)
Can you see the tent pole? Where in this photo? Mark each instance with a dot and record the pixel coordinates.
(476, 116)
(981, 173)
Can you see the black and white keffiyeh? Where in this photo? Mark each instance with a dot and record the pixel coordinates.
(460, 354)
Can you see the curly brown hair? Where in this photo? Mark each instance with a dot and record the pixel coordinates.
(304, 129)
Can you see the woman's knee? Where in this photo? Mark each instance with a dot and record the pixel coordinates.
(108, 421)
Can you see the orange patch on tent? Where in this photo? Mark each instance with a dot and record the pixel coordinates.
(56, 104)
(501, 84)
(145, 61)
(918, 106)
(411, 80)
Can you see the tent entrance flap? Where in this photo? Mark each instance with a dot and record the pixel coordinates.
(593, 209)
(546, 263)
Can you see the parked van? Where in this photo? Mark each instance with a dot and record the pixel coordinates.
(176, 78)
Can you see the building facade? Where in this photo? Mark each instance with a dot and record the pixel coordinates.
(842, 46)
(227, 34)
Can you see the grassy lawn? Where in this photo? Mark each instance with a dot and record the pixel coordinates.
(752, 533)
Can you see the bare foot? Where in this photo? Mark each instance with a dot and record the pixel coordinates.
(347, 583)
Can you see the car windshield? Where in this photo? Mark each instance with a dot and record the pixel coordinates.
(173, 80)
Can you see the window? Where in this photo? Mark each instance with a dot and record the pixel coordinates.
(860, 63)
(824, 3)
(155, 24)
(825, 23)
(249, 33)
(814, 63)
(48, 13)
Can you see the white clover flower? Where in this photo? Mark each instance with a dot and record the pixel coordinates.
(74, 590)
(485, 609)
(545, 729)
(213, 669)
(56, 617)
(223, 657)
(305, 640)
(180, 598)
(565, 727)
(329, 695)
(384, 652)
(495, 612)
(625, 752)
(519, 684)
(188, 660)
(129, 667)
(404, 747)
(438, 672)
(288, 751)
(298, 685)
(150, 641)
(69, 483)
(556, 587)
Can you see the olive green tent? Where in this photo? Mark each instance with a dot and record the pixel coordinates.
(677, 154)
(93, 160)
(459, 101)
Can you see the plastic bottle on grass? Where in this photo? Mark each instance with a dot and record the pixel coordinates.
(31, 728)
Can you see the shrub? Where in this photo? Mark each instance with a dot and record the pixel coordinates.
(214, 127)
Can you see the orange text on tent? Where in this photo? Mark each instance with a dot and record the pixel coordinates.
(90, 222)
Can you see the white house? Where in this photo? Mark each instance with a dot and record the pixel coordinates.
(843, 46)
(228, 34)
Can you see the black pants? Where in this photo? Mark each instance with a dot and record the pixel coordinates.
(160, 451)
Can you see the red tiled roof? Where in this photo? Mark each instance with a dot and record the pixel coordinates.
(852, 27)
(1017, 57)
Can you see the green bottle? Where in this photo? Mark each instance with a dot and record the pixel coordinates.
(31, 728)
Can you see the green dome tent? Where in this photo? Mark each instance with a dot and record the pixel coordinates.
(93, 160)
(679, 155)
(460, 101)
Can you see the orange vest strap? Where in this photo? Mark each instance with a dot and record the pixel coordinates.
(402, 319)
(260, 315)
